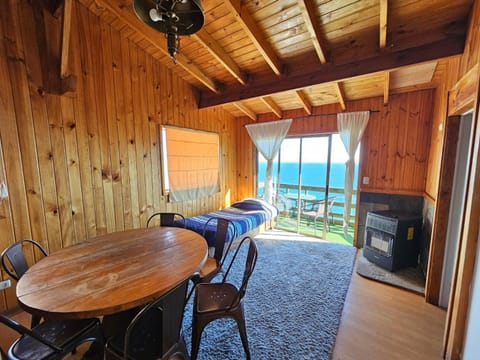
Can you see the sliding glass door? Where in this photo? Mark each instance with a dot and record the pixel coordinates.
(303, 178)
(308, 179)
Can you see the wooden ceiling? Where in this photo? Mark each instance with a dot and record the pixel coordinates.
(267, 56)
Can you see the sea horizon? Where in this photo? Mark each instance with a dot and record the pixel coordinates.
(313, 174)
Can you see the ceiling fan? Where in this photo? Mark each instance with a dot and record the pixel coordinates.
(171, 17)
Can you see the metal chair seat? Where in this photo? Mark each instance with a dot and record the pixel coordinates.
(216, 297)
(51, 339)
(209, 269)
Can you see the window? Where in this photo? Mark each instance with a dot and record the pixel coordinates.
(191, 163)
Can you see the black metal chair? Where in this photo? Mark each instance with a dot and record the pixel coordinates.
(214, 264)
(221, 300)
(168, 219)
(15, 263)
(51, 339)
(146, 336)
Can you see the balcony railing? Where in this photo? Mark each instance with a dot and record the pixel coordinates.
(336, 214)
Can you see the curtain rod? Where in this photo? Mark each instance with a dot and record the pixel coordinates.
(308, 116)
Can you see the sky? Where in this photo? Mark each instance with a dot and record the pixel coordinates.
(311, 152)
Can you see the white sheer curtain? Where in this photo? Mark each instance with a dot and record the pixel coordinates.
(268, 138)
(351, 127)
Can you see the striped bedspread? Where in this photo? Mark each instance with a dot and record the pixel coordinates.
(245, 216)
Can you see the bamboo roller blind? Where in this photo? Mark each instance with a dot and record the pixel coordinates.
(191, 163)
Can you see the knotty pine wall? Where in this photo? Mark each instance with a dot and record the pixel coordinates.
(464, 281)
(394, 148)
(448, 79)
(88, 162)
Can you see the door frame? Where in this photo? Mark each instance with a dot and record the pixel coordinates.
(461, 98)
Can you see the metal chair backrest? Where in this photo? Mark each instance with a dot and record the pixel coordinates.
(17, 263)
(250, 263)
(168, 219)
(221, 235)
(145, 333)
(149, 318)
(223, 300)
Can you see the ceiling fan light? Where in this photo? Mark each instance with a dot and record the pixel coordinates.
(154, 15)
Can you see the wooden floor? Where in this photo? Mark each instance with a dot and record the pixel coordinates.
(379, 322)
(383, 322)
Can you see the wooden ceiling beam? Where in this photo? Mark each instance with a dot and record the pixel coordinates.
(221, 55)
(272, 105)
(255, 34)
(383, 23)
(155, 38)
(386, 87)
(307, 106)
(66, 27)
(307, 9)
(246, 110)
(340, 94)
(48, 29)
(302, 75)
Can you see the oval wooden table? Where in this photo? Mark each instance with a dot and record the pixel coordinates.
(115, 272)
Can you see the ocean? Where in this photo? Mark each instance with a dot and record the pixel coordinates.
(313, 174)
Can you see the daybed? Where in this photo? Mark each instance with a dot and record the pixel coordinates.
(247, 216)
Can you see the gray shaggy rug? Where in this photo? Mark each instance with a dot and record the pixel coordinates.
(293, 303)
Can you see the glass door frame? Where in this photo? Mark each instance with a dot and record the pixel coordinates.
(299, 188)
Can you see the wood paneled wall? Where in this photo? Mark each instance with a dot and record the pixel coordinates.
(88, 162)
(396, 141)
(460, 298)
(450, 75)
(395, 145)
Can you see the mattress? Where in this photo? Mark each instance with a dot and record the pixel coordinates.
(245, 216)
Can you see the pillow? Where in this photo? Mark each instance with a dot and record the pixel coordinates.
(252, 204)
